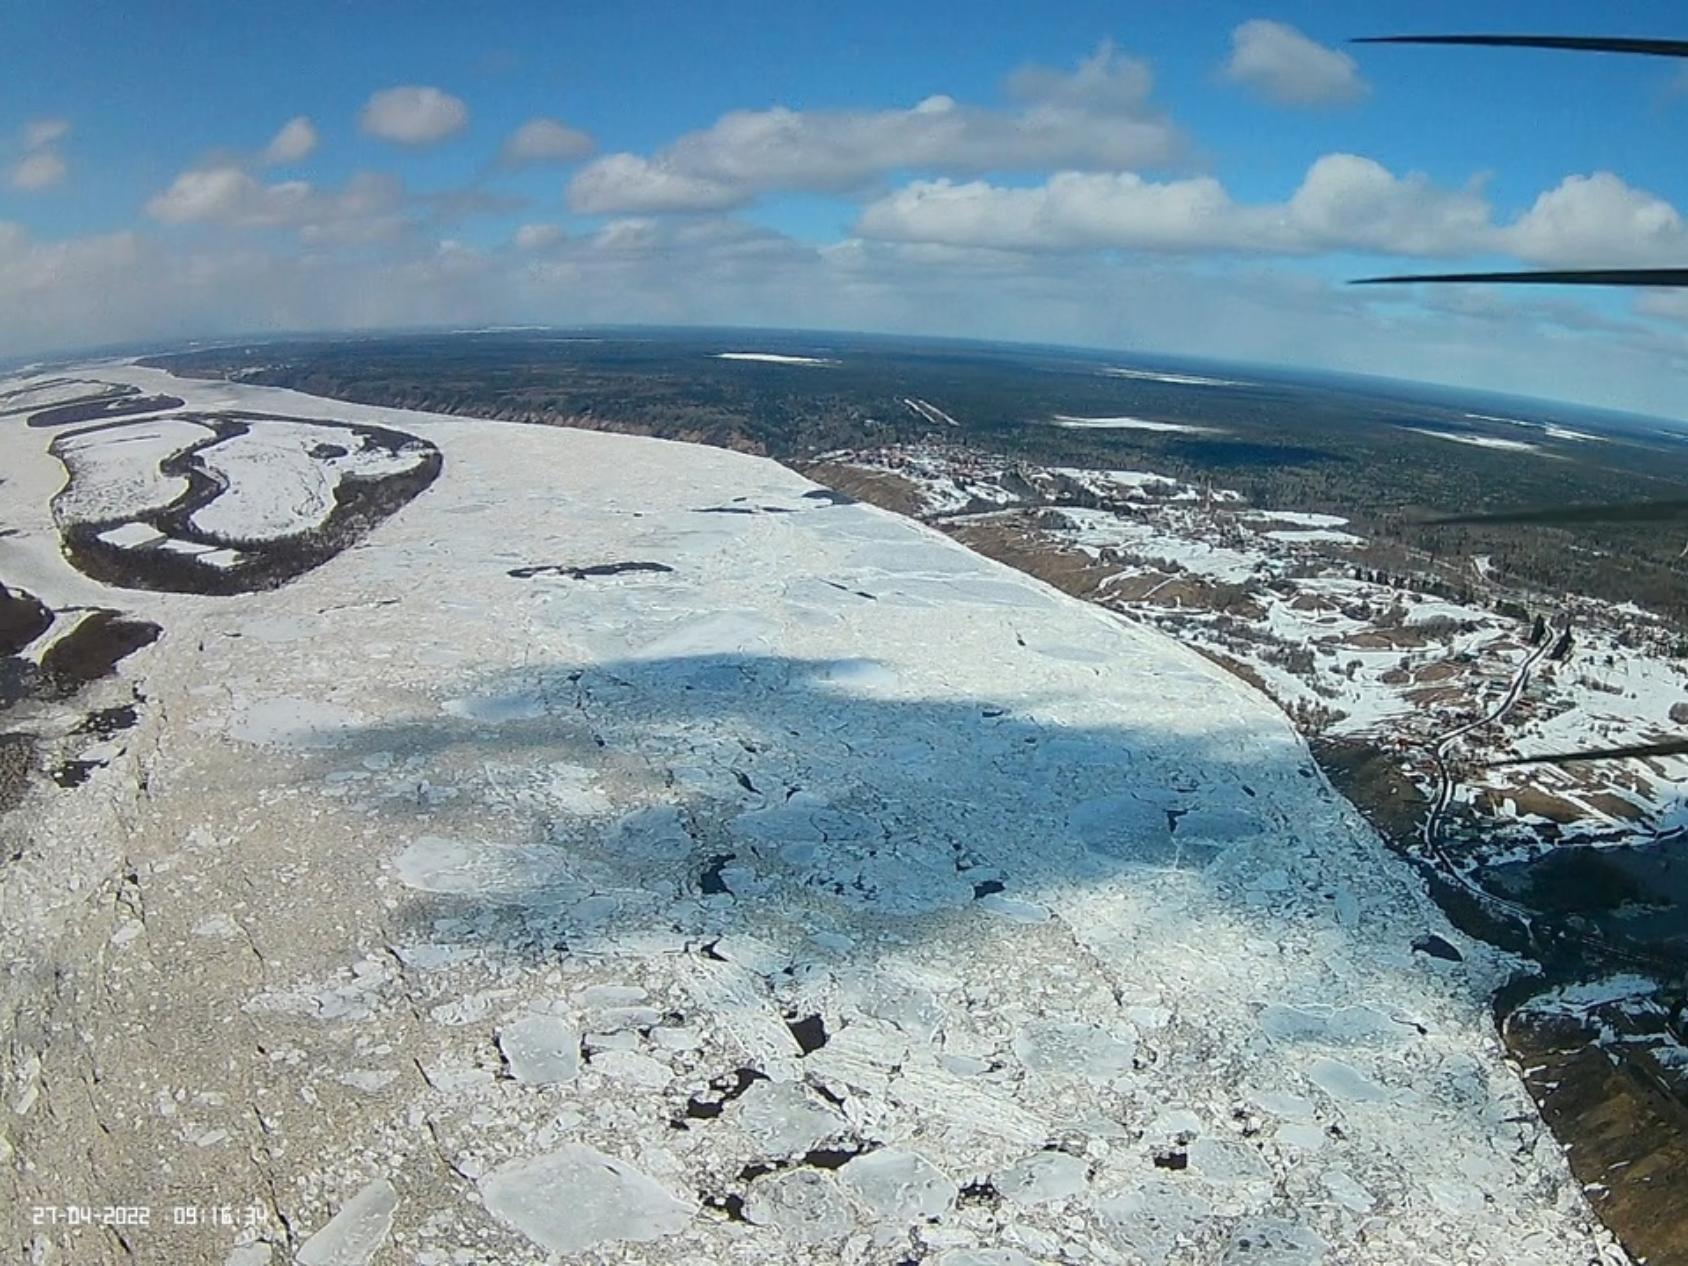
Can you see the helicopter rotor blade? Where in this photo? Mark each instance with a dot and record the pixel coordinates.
(1544, 277)
(1672, 747)
(1573, 43)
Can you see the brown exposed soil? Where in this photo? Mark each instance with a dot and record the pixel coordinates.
(1614, 806)
(1430, 696)
(1069, 571)
(1235, 667)
(1436, 672)
(1373, 780)
(876, 487)
(1629, 1132)
(1384, 640)
(1532, 800)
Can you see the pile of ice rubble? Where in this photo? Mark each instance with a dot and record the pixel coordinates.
(833, 895)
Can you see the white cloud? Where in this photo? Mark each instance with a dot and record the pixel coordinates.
(38, 170)
(43, 132)
(41, 165)
(544, 141)
(226, 195)
(711, 270)
(295, 141)
(1343, 203)
(413, 115)
(1282, 65)
(1097, 116)
(626, 182)
(539, 237)
(366, 209)
(1599, 221)
(1354, 203)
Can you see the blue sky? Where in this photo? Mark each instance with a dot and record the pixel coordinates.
(1140, 190)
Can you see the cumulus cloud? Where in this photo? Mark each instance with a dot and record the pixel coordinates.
(1095, 117)
(413, 115)
(295, 141)
(1281, 65)
(41, 169)
(544, 141)
(1344, 202)
(627, 182)
(367, 208)
(1599, 220)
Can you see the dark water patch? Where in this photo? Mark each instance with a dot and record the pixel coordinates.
(987, 888)
(1437, 947)
(328, 452)
(108, 721)
(92, 650)
(23, 618)
(585, 573)
(731, 1204)
(810, 1032)
(710, 882)
(73, 773)
(834, 1157)
(101, 408)
(727, 1088)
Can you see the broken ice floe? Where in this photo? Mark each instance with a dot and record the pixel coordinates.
(607, 1200)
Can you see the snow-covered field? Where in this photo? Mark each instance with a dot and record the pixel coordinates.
(1124, 424)
(1362, 659)
(114, 472)
(818, 891)
(279, 477)
(1478, 441)
(775, 358)
(1179, 380)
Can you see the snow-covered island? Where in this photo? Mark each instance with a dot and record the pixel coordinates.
(608, 849)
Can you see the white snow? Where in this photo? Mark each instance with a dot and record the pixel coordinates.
(273, 484)
(1183, 380)
(132, 536)
(1478, 441)
(1311, 536)
(1300, 518)
(1125, 424)
(775, 358)
(116, 471)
